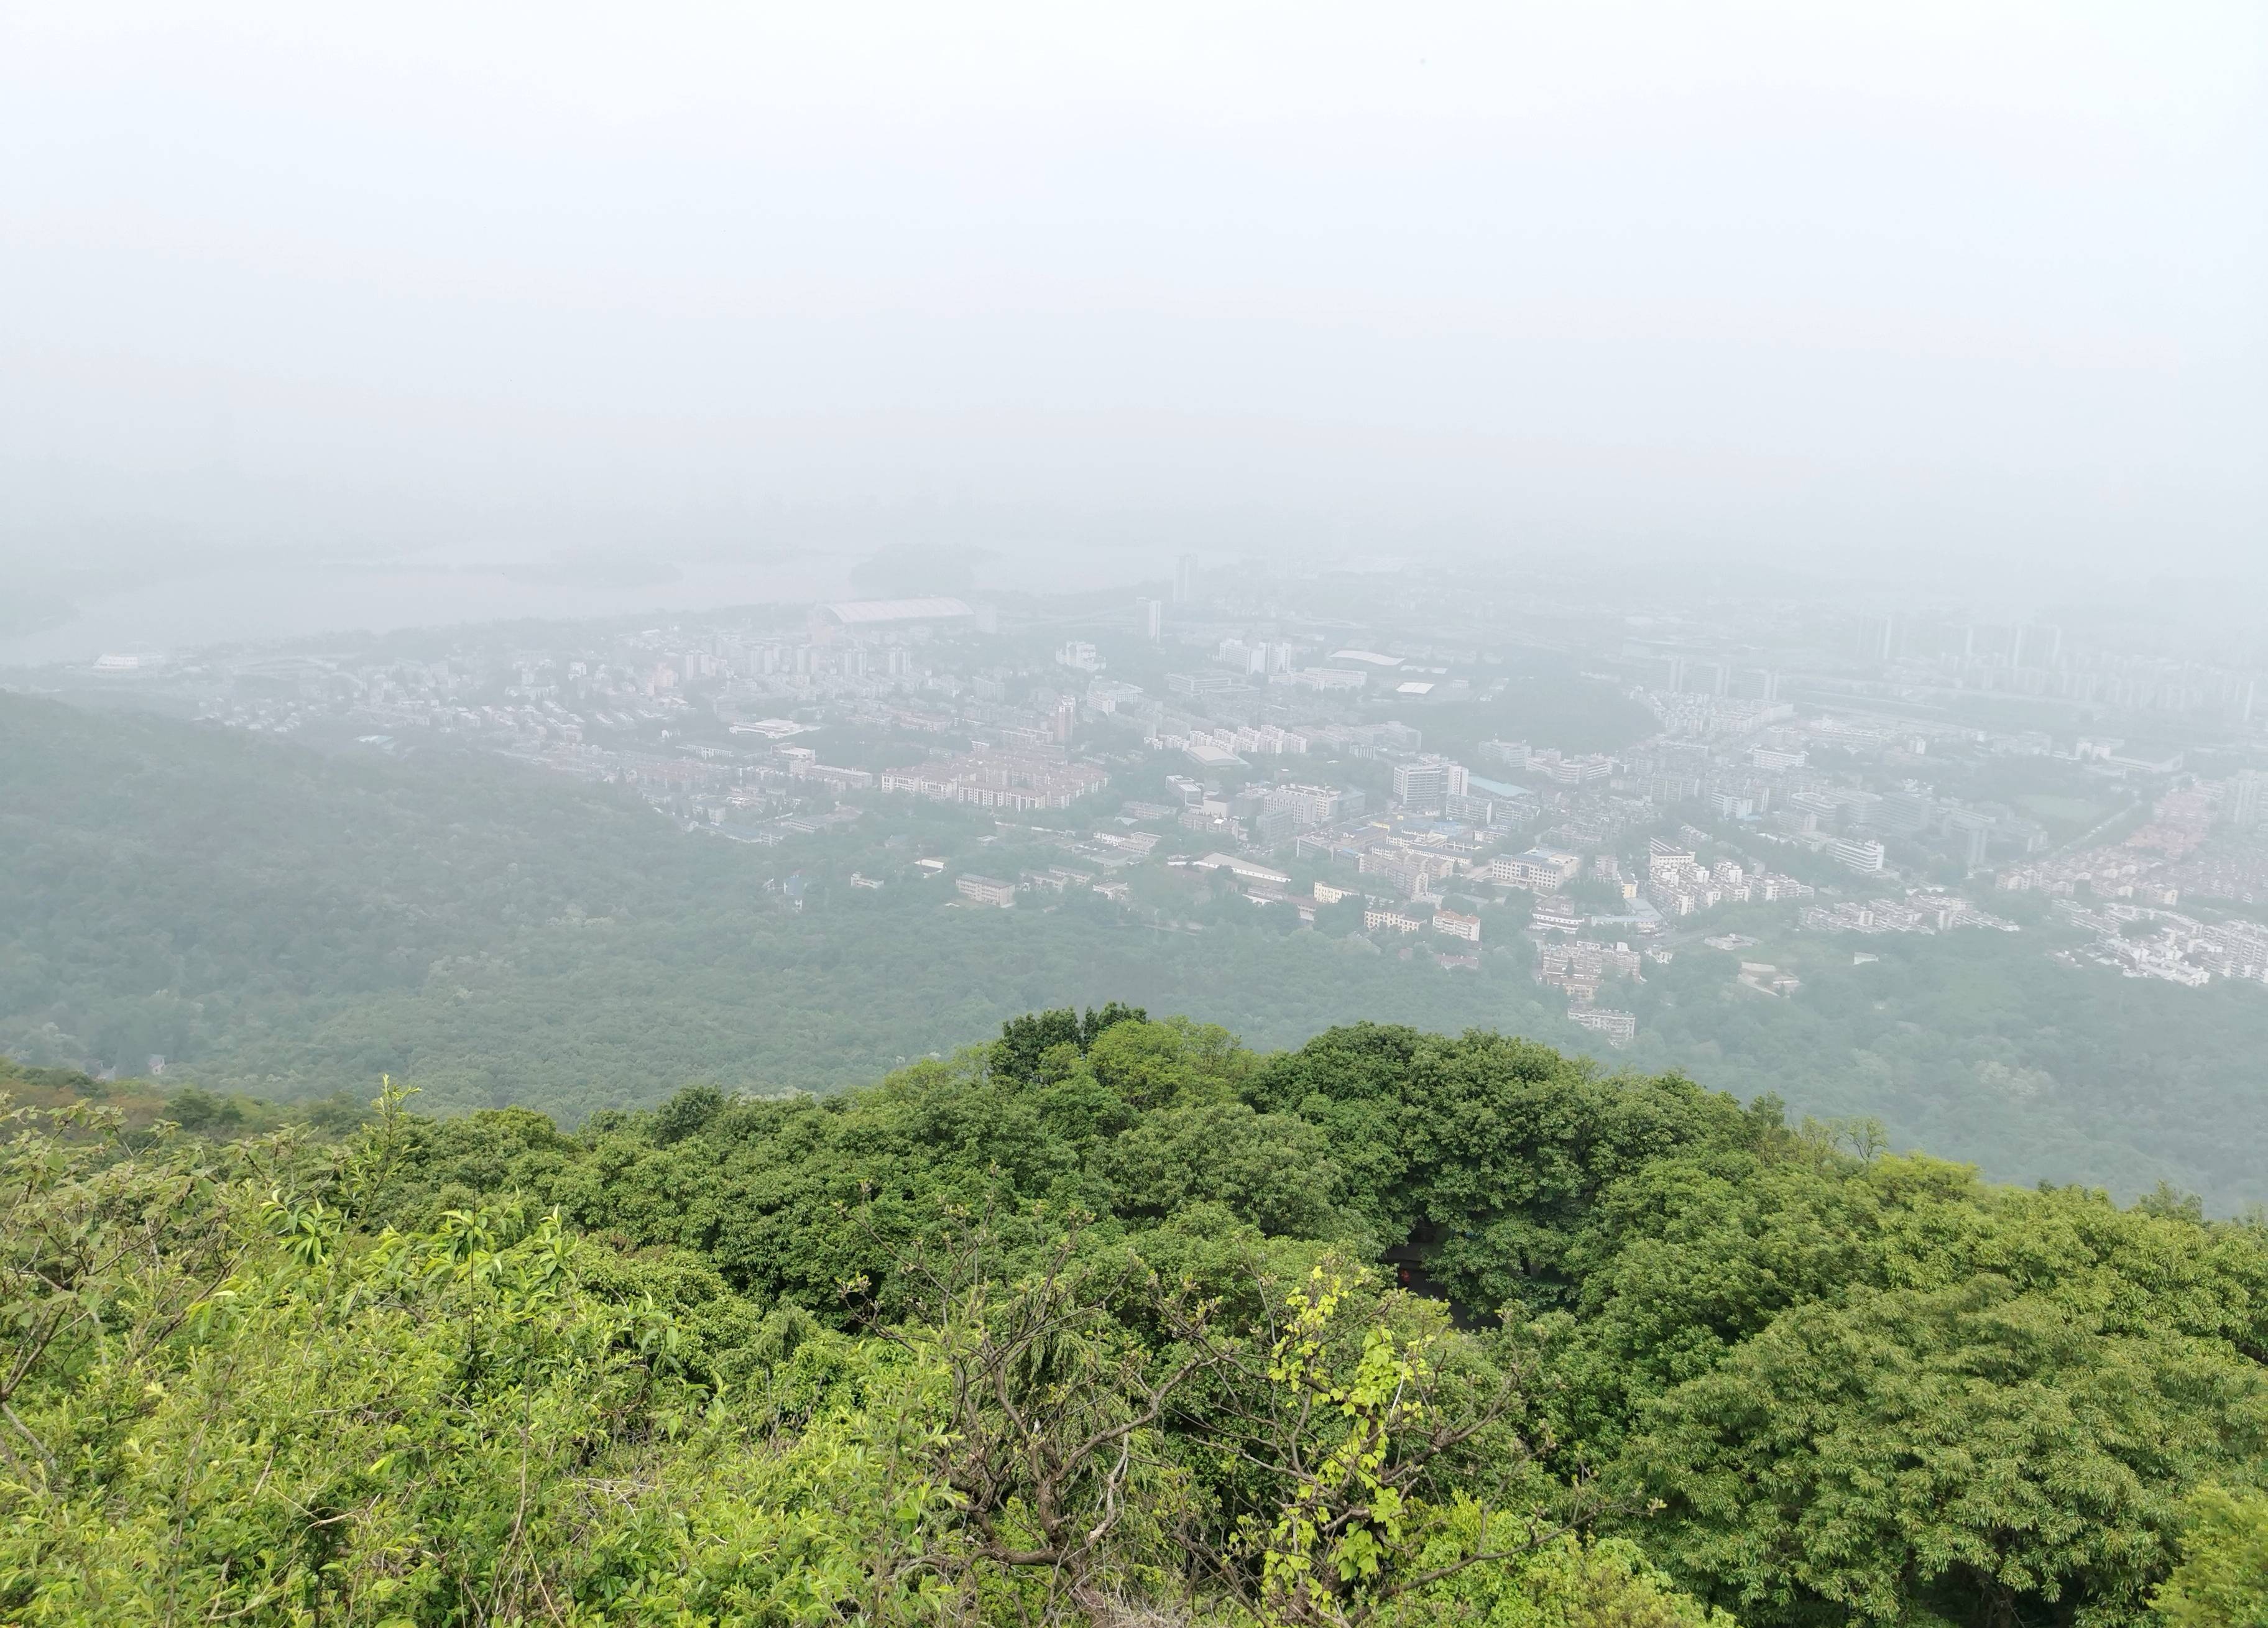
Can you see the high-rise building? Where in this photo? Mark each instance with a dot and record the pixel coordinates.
(1185, 578)
(2245, 800)
(1970, 834)
(1247, 658)
(1884, 638)
(1423, 786)
(1153, 614)
(2038, 646)
(1988, 640)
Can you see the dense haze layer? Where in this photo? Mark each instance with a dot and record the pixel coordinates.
(1930, 282)
(1258, 814)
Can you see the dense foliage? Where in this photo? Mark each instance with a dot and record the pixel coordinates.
(280, 923)
(1100, 1324)
(2222, 1581)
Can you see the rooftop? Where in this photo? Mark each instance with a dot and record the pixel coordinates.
(870, 613)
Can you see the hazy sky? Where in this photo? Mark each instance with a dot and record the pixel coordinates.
(1817, 278)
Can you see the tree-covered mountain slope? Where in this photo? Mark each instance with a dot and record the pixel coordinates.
(1101, 1325)
(276, 921)
(271, 919)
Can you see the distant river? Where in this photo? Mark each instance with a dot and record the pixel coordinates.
(280, 602)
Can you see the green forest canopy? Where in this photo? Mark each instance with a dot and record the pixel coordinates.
(1100, 1324)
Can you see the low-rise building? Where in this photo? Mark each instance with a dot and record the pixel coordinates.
(1856, 853)
(1015, 781)
(1554, 914)
(1202, 683)
(1056, 879)
(1539, 869)
(1587, 770)
(1584, 958)
(1457, 926)
(1245, 870)
(805, 767)
(985, 890)
(1311, 805)
(1617, 1029)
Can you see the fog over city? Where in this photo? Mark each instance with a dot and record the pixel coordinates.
(754, 293)
(1144, 815)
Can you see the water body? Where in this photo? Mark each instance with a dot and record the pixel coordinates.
(281, 600)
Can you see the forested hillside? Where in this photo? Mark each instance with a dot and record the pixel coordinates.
(278, 921)
(275, 921)
(1101, 1325)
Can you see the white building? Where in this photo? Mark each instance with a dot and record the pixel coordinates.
(1243, 870)
(1429, 782)
(1856, 854)
(986, 889)
(1450, 922)
(1617, 1029)
(1539, 869)
(1311, 805)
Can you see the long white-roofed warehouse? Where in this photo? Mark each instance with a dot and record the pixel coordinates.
(887, 616)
